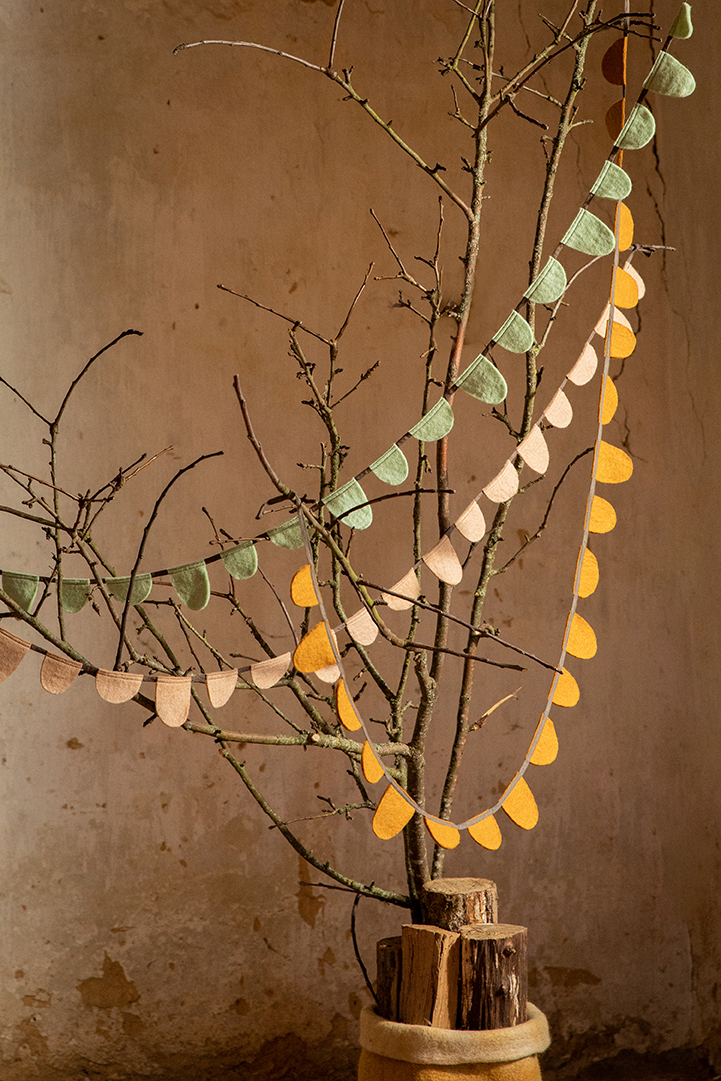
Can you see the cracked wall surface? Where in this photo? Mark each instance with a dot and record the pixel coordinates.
(152, 925)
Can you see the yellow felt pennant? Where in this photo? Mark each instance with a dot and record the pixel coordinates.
(12, 651)
(117, 687)
(547, 747)
(302, 590)
(615, 119)
(314, 651)
(392, 814)
(220, 686)
(534, 450)
(486, 833)
(503, 486)
(408, 587)
(567, 692)
(625, 233)
(581, 639)
(58, 673)
(471, 524)
(559, 412)
(585, 367)
(589, 574)
(266, 674)
(372, 769)
(172, 699)
(603, 516)
(610, 401)
(623, 341)
(614, 465)
(444, 563)
(520, 805)
(344, 708)
(361, 628)
(626, 292)
(443, 833)
(613, 65)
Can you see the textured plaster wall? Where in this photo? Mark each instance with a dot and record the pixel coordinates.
(151, 924)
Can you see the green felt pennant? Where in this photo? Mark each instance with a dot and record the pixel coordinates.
(242, 561)
(435, 424)
(391, 467)
(118, 588)
(669, 77)
(192, 584)
(483, 380)
(682, 26)
(287, 535)
(589, 235)
(345, 499)
(549, 285)
(23, 588)
(74, 594)
(515, 335)
(638, 130)
(612, 183)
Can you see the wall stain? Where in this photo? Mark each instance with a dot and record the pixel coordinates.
(111, 989)
(568, 978)
(309, 904)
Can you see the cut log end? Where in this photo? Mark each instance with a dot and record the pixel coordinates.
(453, 903)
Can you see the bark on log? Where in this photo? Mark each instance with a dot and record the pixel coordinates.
(429, 981)
(494, 976)
(453, 903)
(388, 977)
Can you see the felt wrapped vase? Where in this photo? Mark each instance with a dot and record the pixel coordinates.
(391, 1051)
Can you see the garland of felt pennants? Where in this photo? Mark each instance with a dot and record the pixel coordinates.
(318, 651)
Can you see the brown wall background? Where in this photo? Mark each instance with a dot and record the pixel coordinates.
(152, 925)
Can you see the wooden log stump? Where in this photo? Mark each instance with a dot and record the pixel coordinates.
(451, 903)
(494, 976)
(429, 979)
(388, 977)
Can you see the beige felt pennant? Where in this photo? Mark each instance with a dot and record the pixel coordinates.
(486, 833)
(626, 290)
(372, 769)
(520, 805)
(314, 651)
(559, 412)
(12, 651)
(117, 687)
(471, 524)
(361, 628)
(220, 686)
(444, 563)
(588, 579)
(603, 516)
(329, 674)
(567, 693)
(409, 587)
(302, 590)
(547, 747)
(613, 65)
(534, 450)
(581, 639)
(618, 317)
(266, 674)
(585, 367)
(614, 465)
(344, 708)
(610, 401)
(633, 273)
(392, 814)
(443, 833)
(503, 486)
(58, 673)
(172, 699)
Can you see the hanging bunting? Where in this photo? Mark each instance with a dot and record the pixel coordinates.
(585, 367)
(172, 699)
(589, 574)
(22, 588)
(612, 183)
(302, 590)
(638, 130)
(409, 587)
(118, 588)
(503, 486)
(625, 291)
(486, 833)
(618, 317)
(391, 815)
(471, 524)
(220, 686)
(534, 450)
(549, 285)
(610, 401)
(515, 335)
(241, 562)
(633, 273)
(391, 467)
(191, 583)
(682, 26)
(58, 673)
(558, 412)
(344, 499)
(566, 693)
(372, 769)
(670, 78)
(520, 805)
(444, 563)
(482, 380)
(625, 228)
(361, 628)
(74, 594)
(444, 834)
(603, 516)
(435, 424)
(266, 674)
(547, 747)
(344, 708)
(581, 639)
(329, 674)
(614, 465)
(117, 687)
(314, 650)
(287, 535)
(588, 234)
(12, 651)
